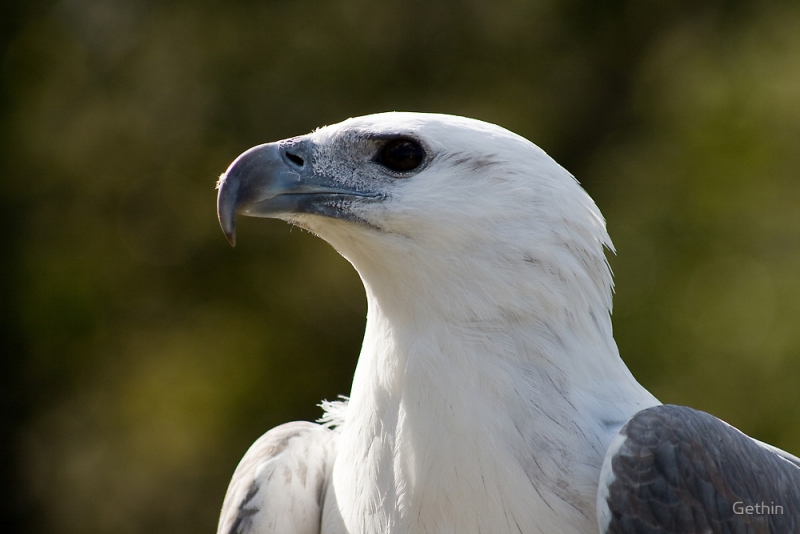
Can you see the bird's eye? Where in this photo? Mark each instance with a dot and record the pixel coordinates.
(401, 155)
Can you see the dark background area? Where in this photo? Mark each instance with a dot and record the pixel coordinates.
(141, 355)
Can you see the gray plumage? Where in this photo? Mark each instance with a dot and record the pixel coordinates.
(680, 470)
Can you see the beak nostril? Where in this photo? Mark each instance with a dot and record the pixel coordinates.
(294, 158)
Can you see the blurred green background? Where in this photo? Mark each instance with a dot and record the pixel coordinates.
(142, 355)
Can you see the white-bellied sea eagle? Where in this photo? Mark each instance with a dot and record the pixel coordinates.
(489, 396)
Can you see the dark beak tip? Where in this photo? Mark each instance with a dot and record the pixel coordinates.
(231, 237)
(227, 222)
(226, 208)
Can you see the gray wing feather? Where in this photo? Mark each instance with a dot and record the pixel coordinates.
(678, 470)
(280, 484)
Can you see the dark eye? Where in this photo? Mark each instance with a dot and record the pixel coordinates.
(401, 155)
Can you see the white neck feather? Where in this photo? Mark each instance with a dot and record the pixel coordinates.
(489, 380)
(503, 395)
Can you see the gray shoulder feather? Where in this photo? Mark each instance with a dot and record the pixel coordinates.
(673, 469)
(280, 484)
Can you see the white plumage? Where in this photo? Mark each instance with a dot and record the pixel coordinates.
(489, 385)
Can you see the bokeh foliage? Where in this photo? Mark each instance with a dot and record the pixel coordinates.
(142, 355)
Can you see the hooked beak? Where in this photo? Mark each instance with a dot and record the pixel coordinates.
(277, 180)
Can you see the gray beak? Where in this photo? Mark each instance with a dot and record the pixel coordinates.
(276, 180)
(258, 175)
